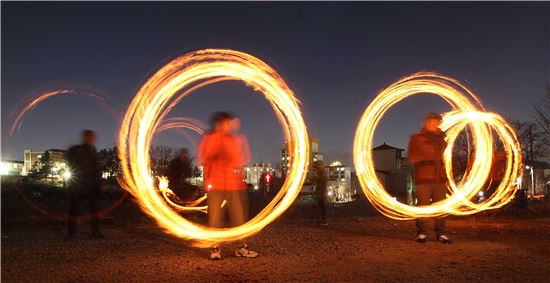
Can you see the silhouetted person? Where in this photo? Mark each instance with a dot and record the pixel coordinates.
(498, 168)
(84, 183)
(426, 153)
(319, 178)
(223, 152)
(179, 170)
(496, 175)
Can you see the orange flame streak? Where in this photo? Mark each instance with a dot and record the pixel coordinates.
(139, 123)
(467, 113)
(33, 100)
(29, 103)
(192, 206)
(19, 119)
(181, 123)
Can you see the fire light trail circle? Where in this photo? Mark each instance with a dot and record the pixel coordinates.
(179, 123)
(146, 112)
(454, 123)
(30, 102)
(468, 112)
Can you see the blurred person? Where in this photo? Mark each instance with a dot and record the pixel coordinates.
(85, 182)
(222, 153)
(179, 170)
(496, 175)
(319, 178)
(426, 153)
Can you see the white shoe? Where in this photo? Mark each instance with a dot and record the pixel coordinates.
(216, 253)
(444, 239)
(243, 251)
(421, 238)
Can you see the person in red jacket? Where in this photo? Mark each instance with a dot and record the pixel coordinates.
(426, 153)
(223, 152)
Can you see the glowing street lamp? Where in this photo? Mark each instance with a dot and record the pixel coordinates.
(67, 175)
(530, 168)
(4, 170)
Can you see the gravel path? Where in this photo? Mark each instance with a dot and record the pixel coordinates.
(358, 249)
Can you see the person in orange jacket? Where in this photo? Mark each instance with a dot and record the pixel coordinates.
(426, 153)
(223, 152)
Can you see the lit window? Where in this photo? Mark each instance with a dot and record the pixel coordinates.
(4, 169)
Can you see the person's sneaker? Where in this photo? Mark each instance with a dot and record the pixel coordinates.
(243, 251)
(216, 253)
(444, 239)
(421, 238)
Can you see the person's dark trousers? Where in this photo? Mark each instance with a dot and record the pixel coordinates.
(74, 202)
(323, 207)
(427, 194)
(237, 206)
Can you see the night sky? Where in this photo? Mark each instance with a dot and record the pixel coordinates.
(335, 56)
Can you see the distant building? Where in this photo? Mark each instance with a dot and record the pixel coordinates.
(285, 160)
(314, 155)
(393, 171)
(254, 172)
(339, 187)
(11, 167)
(57, 156)
(387, 157)
(536, 177)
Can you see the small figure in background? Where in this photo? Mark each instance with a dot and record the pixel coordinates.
(85, 182)
(179, 170)
(319, 178)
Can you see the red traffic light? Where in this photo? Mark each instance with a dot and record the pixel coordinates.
(268, 178)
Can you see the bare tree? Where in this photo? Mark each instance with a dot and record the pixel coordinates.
(160, 158)
(109, 162)
(542, 113)
(461, 153)
(533, 140)
(464, 149)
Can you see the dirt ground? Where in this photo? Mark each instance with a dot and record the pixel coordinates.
(486, 248)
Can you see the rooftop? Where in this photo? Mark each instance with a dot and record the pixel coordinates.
(387, 147)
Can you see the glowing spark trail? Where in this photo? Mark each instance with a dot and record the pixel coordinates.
(151, 104)
(30, 102)
(468, 112)
(199, 128)
(179, 123)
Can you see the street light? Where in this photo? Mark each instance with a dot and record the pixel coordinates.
(518, 182)
(4, 169)
(67, 175)
(530, 168)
